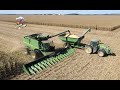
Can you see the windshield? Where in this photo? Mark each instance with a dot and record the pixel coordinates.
(94, 43)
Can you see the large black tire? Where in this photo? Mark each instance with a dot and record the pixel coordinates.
(88, 49)
(101, 53)
(66, 45)
(36, 54)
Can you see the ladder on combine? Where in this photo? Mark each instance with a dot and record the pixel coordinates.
(47, 61)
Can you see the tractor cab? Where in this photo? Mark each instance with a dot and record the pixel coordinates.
(94, 42)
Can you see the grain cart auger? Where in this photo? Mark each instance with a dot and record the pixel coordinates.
(73, 40)
(44, 52)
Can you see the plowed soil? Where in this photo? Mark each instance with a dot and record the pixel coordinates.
(79, 66)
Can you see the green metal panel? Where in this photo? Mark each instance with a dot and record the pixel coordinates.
(69, 39)
(106, 48)
(31, 43)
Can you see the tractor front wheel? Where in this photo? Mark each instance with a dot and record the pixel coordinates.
(88, 49)
(36, 54)
(101, 53)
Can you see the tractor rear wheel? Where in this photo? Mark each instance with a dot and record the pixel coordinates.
(101, 53)
(36, 54)
(88, 49)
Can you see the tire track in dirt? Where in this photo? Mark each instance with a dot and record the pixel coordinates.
(83, 70)
(82, 66)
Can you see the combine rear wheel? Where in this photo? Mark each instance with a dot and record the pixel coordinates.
(88, 49)
(36, 54)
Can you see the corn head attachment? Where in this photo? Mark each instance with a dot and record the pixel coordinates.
(47, 61)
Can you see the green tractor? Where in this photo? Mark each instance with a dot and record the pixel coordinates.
(96, 46)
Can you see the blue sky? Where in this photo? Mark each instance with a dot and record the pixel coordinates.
(59, 11)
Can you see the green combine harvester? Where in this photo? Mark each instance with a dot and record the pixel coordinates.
(45, 54)
(40, 45)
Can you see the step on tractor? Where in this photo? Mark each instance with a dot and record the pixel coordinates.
(45, 54)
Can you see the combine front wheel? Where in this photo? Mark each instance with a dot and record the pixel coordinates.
(27, 51)
(36, 54)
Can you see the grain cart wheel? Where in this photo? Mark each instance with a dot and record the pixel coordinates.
(101, 53)
(36, 54)
(27, 51)
(88, 49)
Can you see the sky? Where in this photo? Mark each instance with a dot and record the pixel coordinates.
(59, 11)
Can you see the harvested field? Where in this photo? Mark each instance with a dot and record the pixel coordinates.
(80, 66)
(98, 22)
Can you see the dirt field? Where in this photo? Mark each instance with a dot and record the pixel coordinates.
(79, 66)
(99, 22)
